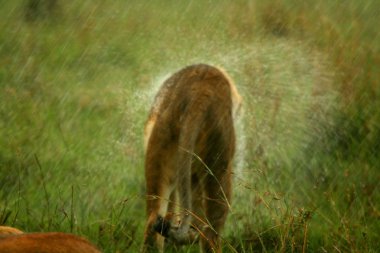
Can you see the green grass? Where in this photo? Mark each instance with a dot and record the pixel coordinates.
(76, 86)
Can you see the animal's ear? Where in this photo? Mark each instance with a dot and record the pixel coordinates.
(236, 99)
(237, 109)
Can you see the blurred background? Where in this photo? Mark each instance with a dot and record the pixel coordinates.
(77, 79)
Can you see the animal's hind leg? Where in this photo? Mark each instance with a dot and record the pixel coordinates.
(159, 189)
(172, 213)
(217, 199)
(197, 212)
(153, 241)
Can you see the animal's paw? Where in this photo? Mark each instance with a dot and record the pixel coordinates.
(162, 226)
(180, 236)
(175, 234)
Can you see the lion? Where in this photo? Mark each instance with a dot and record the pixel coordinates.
(51, 242)
(189, 147)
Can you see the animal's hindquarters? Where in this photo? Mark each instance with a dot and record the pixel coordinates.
(190, 142)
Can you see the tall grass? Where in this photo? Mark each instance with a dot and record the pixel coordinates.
(76, 86)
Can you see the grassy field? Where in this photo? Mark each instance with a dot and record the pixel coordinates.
(77, 80)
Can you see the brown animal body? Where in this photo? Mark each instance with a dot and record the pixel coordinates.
(190, 143)
(46, 243)
(6, 231)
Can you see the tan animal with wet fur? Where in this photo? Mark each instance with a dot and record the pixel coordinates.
(190, 143)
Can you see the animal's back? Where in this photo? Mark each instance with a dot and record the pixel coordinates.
(196, 94)
(46, 243)
(6, 231)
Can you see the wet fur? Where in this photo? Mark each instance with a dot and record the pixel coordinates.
(190, 143)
